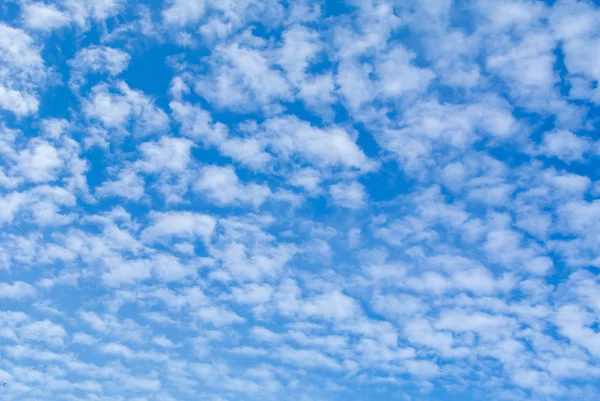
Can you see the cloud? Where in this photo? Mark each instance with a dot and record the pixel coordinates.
(16, 290)
(124, 109)
(197, 124)
(22, 69)
(565, 146)
(351, 196)
(167, 154)
(97, 59)
(222, 186)
(128, 185)
(242, 78)
(398, 76)
(44, 330)
(190, 225)
(43, 17)
(182, 12)
(327, 147)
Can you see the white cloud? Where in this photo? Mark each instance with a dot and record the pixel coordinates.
(398, 76)
(120, 271)
(16, 290)
(574, 24)
(328, 147)
(21, 70)
(351, 196)
(300, 47)
(307, 178)
(167, 154)
(564, 145)
(40, 162)
(183, 12)
(217, 316)
(242, 78)
(421, 332)
(430, 128)
(308, 359)
(128, 185)
(44, 330)
(222, 186)
(575, 323)
(18, 49)
(197, 124)
(43, 17)
(84, 12)
(42, 204)
(179, 225)
(254, 262)
(123, 109)
(97, 59)
(331, 305)
(168, 268)
(163, 341)
(252, 293)
(18, 102)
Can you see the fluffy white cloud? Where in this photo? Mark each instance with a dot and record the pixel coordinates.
(242, 78)
(351, 196)
(222, 186)
(16, 290)
(125, 109)
(43, 17)
(565, 145)
(169, 225)
(167, 154)
(44, 330)
(21, 68)
(182, 12)
(327, 147)
(97, 59)
(398, 76)
(127, 185)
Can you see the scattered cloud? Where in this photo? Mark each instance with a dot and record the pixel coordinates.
(297, 200)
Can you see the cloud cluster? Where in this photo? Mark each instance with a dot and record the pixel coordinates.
(267, 200)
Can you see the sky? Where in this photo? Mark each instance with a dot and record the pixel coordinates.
(299, 200)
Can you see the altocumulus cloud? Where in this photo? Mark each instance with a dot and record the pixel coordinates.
(299, 200)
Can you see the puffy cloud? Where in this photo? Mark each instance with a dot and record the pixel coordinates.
(18, 102)
(327, 147)
(300, 47)
(41, 205)
(242, 78)
(128, 185)
(351, 196)
(43, 17)
(97, 59)
(16, 290)
(182, 12)
(190, 225)
(565, 146)
(222, 186)
(21, 70)
(307, 178)
(197, 124)
(124, 109)
(44, 330)
(167, 154)
(398, 76)
(432, 128)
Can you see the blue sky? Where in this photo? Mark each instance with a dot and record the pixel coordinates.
(296, 200)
